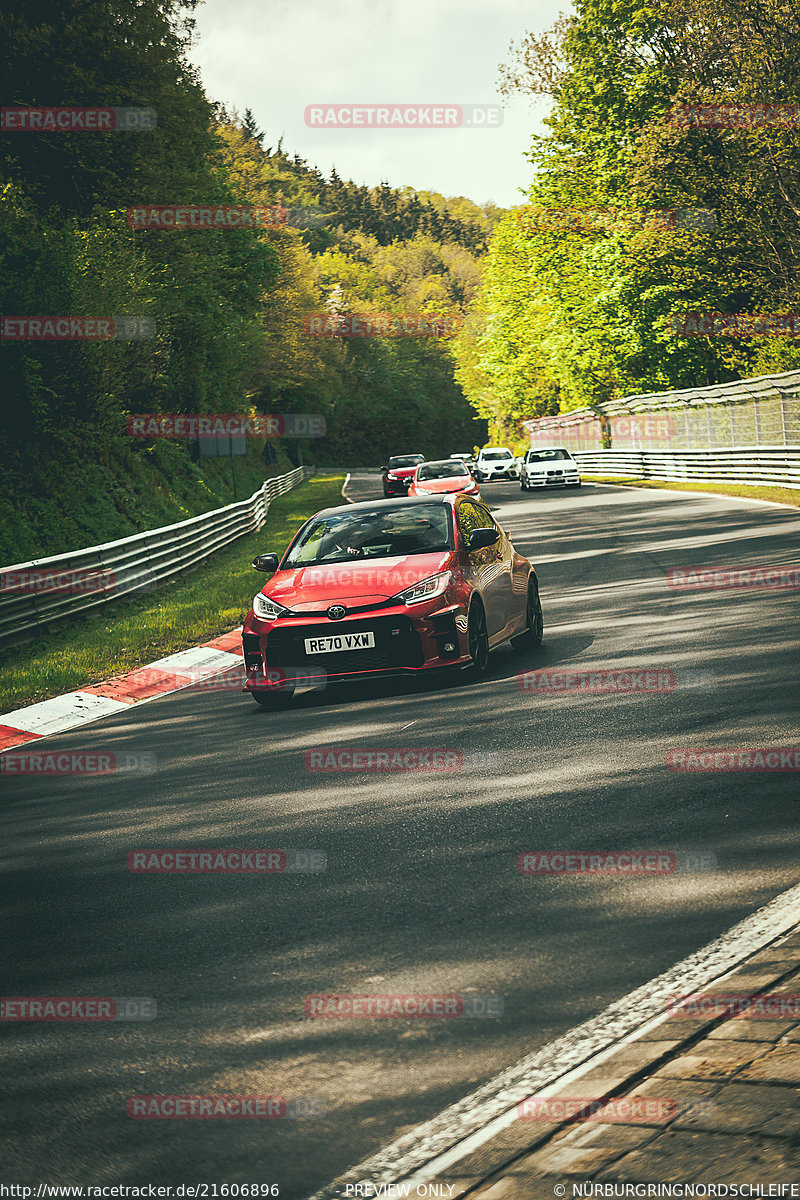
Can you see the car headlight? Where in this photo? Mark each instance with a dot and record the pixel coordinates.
(391, 475)
(426, 589)
(266, 609)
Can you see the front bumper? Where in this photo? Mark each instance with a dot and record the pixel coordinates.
(508, 473)
(552, 479)
(407, 642)
(397, 487)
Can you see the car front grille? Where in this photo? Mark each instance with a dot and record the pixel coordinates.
(397, 644)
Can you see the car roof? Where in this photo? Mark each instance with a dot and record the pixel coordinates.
(537, 448)
(485, 448)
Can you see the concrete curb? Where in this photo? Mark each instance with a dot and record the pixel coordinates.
(612, 1076)
(481, 1136)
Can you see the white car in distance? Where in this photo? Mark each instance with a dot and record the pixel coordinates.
(495, 462)
(549, 467)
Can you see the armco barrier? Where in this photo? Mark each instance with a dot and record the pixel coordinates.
(131, 565)
(777, 465)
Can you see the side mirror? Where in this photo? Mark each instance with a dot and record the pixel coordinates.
(266, 562)
(383, 470)
(479, 539)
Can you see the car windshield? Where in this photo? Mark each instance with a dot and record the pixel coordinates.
(493, 455)
(547, 455)
(442, 470)
(373, 533)
(405, 460)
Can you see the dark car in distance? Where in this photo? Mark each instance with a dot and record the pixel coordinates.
(398, 473)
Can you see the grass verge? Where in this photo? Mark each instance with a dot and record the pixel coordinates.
(214, 598)
(778, 495)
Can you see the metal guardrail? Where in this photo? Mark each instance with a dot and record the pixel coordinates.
(46, 590)
(778, 465)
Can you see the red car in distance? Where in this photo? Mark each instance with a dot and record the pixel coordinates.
(409, 587)
(396, 475)
(439, 478)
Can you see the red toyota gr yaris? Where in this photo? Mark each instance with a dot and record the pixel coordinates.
(389, 587)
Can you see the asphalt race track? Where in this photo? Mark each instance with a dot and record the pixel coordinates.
(421, 892)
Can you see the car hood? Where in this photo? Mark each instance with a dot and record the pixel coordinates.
(560, 464)
(311, 588)
(401, 472)
(440, 486)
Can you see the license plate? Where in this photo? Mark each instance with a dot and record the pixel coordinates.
(331, 642)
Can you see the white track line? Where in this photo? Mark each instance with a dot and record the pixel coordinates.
(461, 1128)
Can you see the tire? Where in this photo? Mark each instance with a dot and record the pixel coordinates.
(478, 639)
(534, 622)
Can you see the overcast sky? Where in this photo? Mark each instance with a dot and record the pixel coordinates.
(278, 56)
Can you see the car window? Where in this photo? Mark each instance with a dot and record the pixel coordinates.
(372, 533)
(442, 470)
(405, 460)
(472, 516)
(547, 455)
(494, 455)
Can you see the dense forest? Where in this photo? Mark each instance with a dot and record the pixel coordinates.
(561, 309)
(580, 306)
(227, 307)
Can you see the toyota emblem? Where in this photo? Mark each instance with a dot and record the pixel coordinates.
(336, 612)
